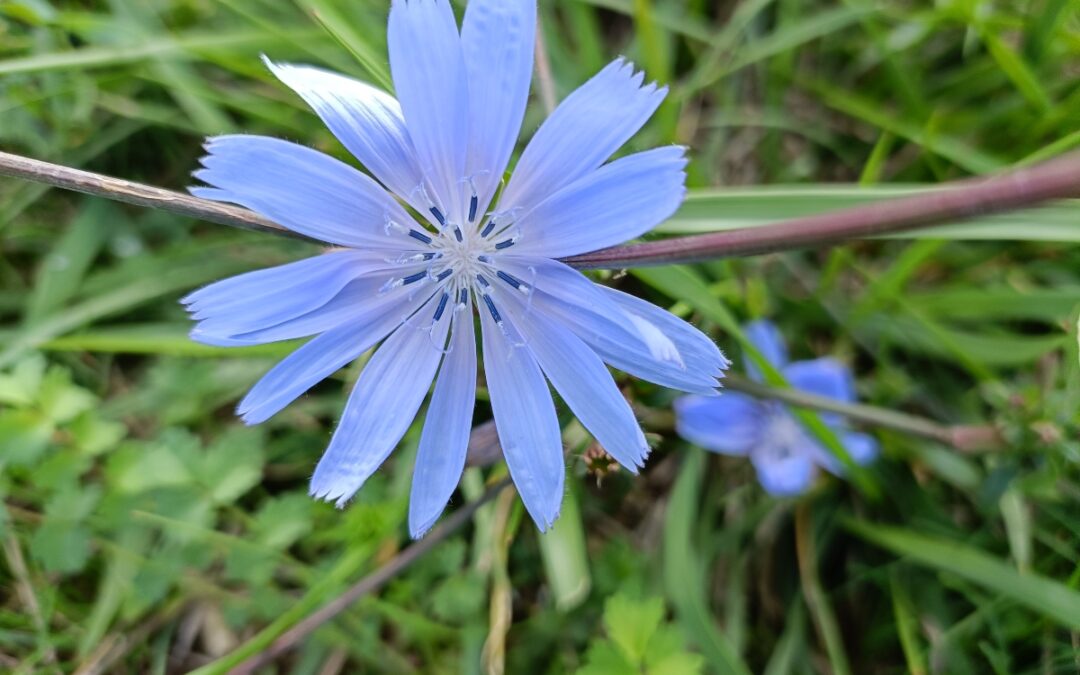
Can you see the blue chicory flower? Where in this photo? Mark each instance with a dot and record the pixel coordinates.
(440, 150)
(785, 457)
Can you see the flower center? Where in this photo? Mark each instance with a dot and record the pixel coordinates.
(785, 432)
(460, 258)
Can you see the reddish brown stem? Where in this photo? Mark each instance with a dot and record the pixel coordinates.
(960, 200)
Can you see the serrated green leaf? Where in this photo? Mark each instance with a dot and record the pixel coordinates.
(61, 546)
(604, 659)
(60, 399)
(283, 520)
(93, 435)
(62, 543)
(631, 623)
(142, 467)
(667, 654)
(232, 465)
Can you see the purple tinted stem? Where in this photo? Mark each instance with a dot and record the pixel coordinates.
(950, 203)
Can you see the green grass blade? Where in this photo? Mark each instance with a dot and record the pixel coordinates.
(63, 269)
(714, 210)
(1044, 596)
(330, 18)
(183, 46)
(684, 571)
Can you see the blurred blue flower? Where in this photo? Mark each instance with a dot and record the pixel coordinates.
(416, 248)
(785, 456)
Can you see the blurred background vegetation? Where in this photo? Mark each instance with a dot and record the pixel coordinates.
(145, 530)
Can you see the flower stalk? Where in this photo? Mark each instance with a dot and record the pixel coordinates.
(956, 201)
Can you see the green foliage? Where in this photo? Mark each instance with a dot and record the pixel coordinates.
(638, 642)
(145, 529)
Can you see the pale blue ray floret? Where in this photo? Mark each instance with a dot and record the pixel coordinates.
(440, 150)
(784, 455)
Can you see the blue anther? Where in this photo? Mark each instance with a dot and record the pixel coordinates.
(463, 296)
(438, 215)
(491, 308)
(488, 228)
(442, 306)
(412, 278)
(508, 279)
(420, 236)
(429, 256)
(504, 244)
(482, 280)
(474, 202)
(444, 274)
(457, 233)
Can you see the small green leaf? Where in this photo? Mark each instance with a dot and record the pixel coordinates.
(631, 623)
(604, 659)
(682, 663)
(282, 521)
(20, 386)
(142, 467)
(60, 399)
(640, 642)
(459, 598)
(94, 435)
(61, 546)
(24, 435)
(232, 465)
(667, 654)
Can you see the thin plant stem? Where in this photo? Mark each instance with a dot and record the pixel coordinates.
(824, 619)
(138, 194)
(966, 438)
(257, 652)
(956, 201)
(543, 73)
